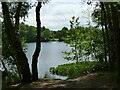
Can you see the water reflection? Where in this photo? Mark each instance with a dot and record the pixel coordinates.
(51, 56)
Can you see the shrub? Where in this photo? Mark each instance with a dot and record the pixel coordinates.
(74, 70)
(9, 78)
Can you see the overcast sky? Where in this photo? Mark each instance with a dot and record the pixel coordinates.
(57, 14)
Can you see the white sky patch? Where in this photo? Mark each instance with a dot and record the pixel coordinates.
(57, 14)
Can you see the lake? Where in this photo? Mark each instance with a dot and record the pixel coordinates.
(51, 56)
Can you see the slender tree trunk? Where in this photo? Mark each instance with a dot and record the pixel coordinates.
(104, 38)
(17, 17)
(17, 22)
(15, 44)
(38, 44)
(107, 33)
(112, 43)
(76, 53)
(4, 66)
(116, 33)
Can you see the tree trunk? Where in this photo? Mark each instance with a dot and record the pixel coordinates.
(112, 43)
(15, 44)
(104, 38)
(12, 54)
(3, 64)
(107, 34)
(17, 17)
(38, 44)
(116, 33)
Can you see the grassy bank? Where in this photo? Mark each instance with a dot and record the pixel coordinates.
(74, 70)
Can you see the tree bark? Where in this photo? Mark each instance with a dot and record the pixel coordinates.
(17, 17)
(104, 38)
(116, 27)
(107, 34)
(112, 43)
(4, 66)
(38, 44)
(12, 54)
(15, 44)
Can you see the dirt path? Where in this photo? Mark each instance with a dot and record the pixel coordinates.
(92, 80)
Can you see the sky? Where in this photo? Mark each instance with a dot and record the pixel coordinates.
(56, 14)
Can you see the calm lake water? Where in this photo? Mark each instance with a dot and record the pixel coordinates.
(51, 56)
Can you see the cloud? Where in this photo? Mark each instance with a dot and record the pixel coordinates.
(56, 14)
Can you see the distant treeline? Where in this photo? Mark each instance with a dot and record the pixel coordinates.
(28, 33)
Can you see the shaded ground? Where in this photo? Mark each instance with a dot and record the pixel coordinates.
(93, 80)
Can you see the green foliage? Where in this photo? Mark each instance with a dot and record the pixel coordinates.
(28, 34)
(46, 35)
(74, 40)
(61, 35)
(96, 15)
(24, 9)
(74, 70)
(8, 54)
(84, 41)
(9, 78)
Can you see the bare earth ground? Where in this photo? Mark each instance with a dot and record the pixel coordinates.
(92, 80)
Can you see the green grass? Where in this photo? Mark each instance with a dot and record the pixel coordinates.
(74, 70)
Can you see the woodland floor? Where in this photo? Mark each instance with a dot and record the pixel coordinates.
(93, 80)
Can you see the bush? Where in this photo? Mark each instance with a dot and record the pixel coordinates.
(9, 78)
(74, 70)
